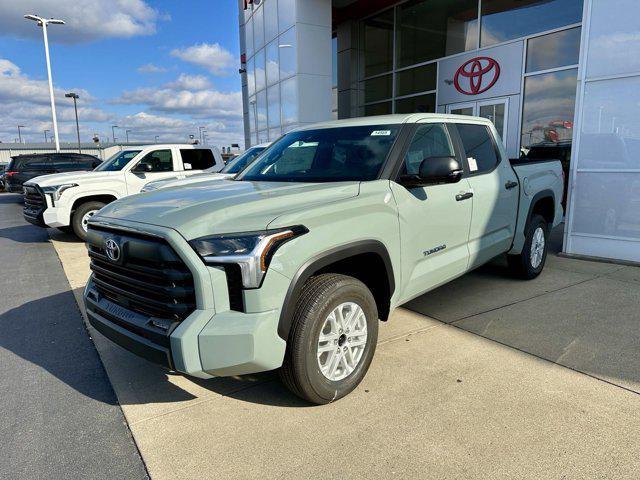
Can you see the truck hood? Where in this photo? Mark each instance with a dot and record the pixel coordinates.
(72, 177)
(180, 180)
(225, 206)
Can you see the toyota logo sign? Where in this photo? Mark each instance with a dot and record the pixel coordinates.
(112, 250)
(476, 75)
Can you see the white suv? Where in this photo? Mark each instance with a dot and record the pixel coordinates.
(69, 199)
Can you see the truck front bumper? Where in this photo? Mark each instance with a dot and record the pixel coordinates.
(226, 343)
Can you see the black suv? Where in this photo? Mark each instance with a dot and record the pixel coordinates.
(25, 167)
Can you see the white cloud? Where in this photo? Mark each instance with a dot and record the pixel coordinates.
(190, 82)
(86, 20)
(210, 56)
(151, 68)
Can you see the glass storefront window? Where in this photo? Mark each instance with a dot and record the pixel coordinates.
(416, 80)
(379, 88)
(547, 112)
(261, 109)
(377, 43)
(258, 28)
(504, 20)
(270, 19)
(263, 136)
(377, 109)
(554, 50)
(273, 102)
(248, 32)
(260, 71)
(274, 133)
(252, 118)
(251, 77)
(334, 61)
(289, 99)
(287, 47)
(430, 29)
(418, 104)
(273, 67)
(286, 14)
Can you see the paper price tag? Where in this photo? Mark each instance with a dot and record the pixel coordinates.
(381, 133)
(473, 165)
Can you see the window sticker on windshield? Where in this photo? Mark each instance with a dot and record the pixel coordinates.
(473, 165)
(381, 133)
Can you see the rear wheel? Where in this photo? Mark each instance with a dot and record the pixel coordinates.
(530, 262)
(332, 340)
(81, 218)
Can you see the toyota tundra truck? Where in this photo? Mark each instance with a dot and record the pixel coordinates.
(67, 200)
(292, 264)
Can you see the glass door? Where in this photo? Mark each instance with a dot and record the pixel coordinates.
(495, 110)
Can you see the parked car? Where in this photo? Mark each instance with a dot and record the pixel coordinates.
(70, 199)
(230, 170)
(291, 264)
(3, 170)
(22, 168)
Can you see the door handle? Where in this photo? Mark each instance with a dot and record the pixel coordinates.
(510, 184)
(463, 196)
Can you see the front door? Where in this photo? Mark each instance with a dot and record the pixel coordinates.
(156, 165)
(434, 224)
(495, 110)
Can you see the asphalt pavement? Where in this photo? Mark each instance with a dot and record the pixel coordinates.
(59, 414)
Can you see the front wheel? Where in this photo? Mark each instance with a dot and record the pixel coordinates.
(81, 216)
(530, 262)
(332, 340)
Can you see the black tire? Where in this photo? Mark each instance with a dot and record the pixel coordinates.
(68, 229)
(300, 371)
(81, 211)
(521, 265)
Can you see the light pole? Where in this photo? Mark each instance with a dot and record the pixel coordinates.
(113, 132)
(45, 135)
(126, 132)
(200, 129)
(19, 133)
(75, 97)
(157, 138)
(43, 22)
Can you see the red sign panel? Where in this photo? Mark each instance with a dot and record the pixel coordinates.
(476, 75)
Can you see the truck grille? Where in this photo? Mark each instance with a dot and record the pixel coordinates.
(148, 278)
(34, 202)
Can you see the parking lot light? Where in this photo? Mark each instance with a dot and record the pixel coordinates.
(75, 97)
(43, 22)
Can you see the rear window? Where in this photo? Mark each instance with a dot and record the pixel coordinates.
(197, 158)
(25, 162)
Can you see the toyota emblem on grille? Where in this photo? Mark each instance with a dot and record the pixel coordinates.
(113, 250)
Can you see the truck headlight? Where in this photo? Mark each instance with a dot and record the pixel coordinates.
(251, 251)
(56, 191)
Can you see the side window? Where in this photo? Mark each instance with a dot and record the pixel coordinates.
(197, 158)
(41, 162)
(160, 161)
(479, 147)
(430, 140)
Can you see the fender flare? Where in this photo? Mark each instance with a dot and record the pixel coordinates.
(536, 198)
(318, 262)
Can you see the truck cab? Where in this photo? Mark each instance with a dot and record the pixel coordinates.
(68, 200)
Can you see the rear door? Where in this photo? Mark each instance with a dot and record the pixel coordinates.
(155, 165)
(434, 220)
(495, 193)
(197, 159)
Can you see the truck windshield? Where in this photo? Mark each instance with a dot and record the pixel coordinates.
(237, 164)
(325, 155)
(117, 162)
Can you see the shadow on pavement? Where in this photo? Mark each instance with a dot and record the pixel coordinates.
(24, 234)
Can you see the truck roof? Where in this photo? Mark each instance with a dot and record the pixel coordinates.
(395, 119)
(168, 145)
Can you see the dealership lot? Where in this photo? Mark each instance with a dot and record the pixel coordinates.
(498, 379)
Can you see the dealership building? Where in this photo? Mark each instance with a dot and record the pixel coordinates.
(559, 79)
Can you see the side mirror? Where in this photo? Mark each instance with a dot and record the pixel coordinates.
(142, 168)
(95, 164)
(435, 170)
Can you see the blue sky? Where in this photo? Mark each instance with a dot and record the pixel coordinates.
(156, 67)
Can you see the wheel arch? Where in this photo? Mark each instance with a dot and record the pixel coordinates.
(356, 259)
(544, 204)
(100, 197)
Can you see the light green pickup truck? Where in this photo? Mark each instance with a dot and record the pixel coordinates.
(292, 264)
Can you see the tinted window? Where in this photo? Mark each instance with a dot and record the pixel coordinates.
(479, 147)
(553, 50)
(429, 141)
(197, 158)
(22, 163)
(325, 155)
(160, 161)
(237, 164)
(69, 163)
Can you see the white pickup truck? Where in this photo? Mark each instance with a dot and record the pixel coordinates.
(68, 200)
